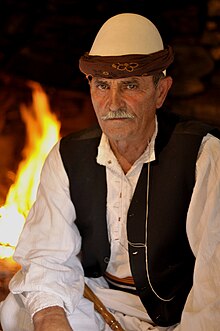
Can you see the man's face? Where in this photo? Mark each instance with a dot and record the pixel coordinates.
(125, 107)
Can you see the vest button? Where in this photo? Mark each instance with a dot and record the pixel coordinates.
(106, 259)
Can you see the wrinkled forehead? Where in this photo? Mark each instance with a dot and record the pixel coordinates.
(125, 80)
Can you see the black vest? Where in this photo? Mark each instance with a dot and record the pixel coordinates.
(170, 262)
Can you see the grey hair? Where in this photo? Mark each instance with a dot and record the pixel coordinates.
(157, 77)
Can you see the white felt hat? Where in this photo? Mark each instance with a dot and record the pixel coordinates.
(127, 33)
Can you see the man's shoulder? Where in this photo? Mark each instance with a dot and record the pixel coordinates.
(80, 144)
(185, 125)
(84, 134)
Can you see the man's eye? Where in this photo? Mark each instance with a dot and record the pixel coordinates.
(131, 86)
(102, 86)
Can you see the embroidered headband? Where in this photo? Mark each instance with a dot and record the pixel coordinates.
(126, 65)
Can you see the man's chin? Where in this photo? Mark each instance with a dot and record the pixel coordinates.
(117, 123)
(116, 133)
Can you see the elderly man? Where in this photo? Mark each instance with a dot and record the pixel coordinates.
(131, 207)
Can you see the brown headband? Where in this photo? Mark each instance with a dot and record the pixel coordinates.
(126, 65)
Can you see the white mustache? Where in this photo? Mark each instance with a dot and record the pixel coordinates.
(120, 113)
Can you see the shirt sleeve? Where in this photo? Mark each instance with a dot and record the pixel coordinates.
(49, 245)
(202, 309)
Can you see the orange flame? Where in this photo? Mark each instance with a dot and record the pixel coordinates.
(42, 133)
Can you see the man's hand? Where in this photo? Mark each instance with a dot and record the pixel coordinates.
(51, 319)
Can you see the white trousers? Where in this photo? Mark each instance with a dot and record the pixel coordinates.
(14, 317)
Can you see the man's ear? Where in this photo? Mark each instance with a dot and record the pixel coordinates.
(163, 87)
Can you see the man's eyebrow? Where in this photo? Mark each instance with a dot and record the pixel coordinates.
(129, 80)
(100, 80)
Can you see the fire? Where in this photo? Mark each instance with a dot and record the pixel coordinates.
(43, 130)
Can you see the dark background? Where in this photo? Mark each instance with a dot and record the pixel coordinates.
(43, 40)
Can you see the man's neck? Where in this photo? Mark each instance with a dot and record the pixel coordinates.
(127, 153)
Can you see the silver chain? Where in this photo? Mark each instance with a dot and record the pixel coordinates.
(144, 245)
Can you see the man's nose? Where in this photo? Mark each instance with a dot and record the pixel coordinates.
(115, 99)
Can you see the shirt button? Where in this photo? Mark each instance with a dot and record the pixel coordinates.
(95, 274)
